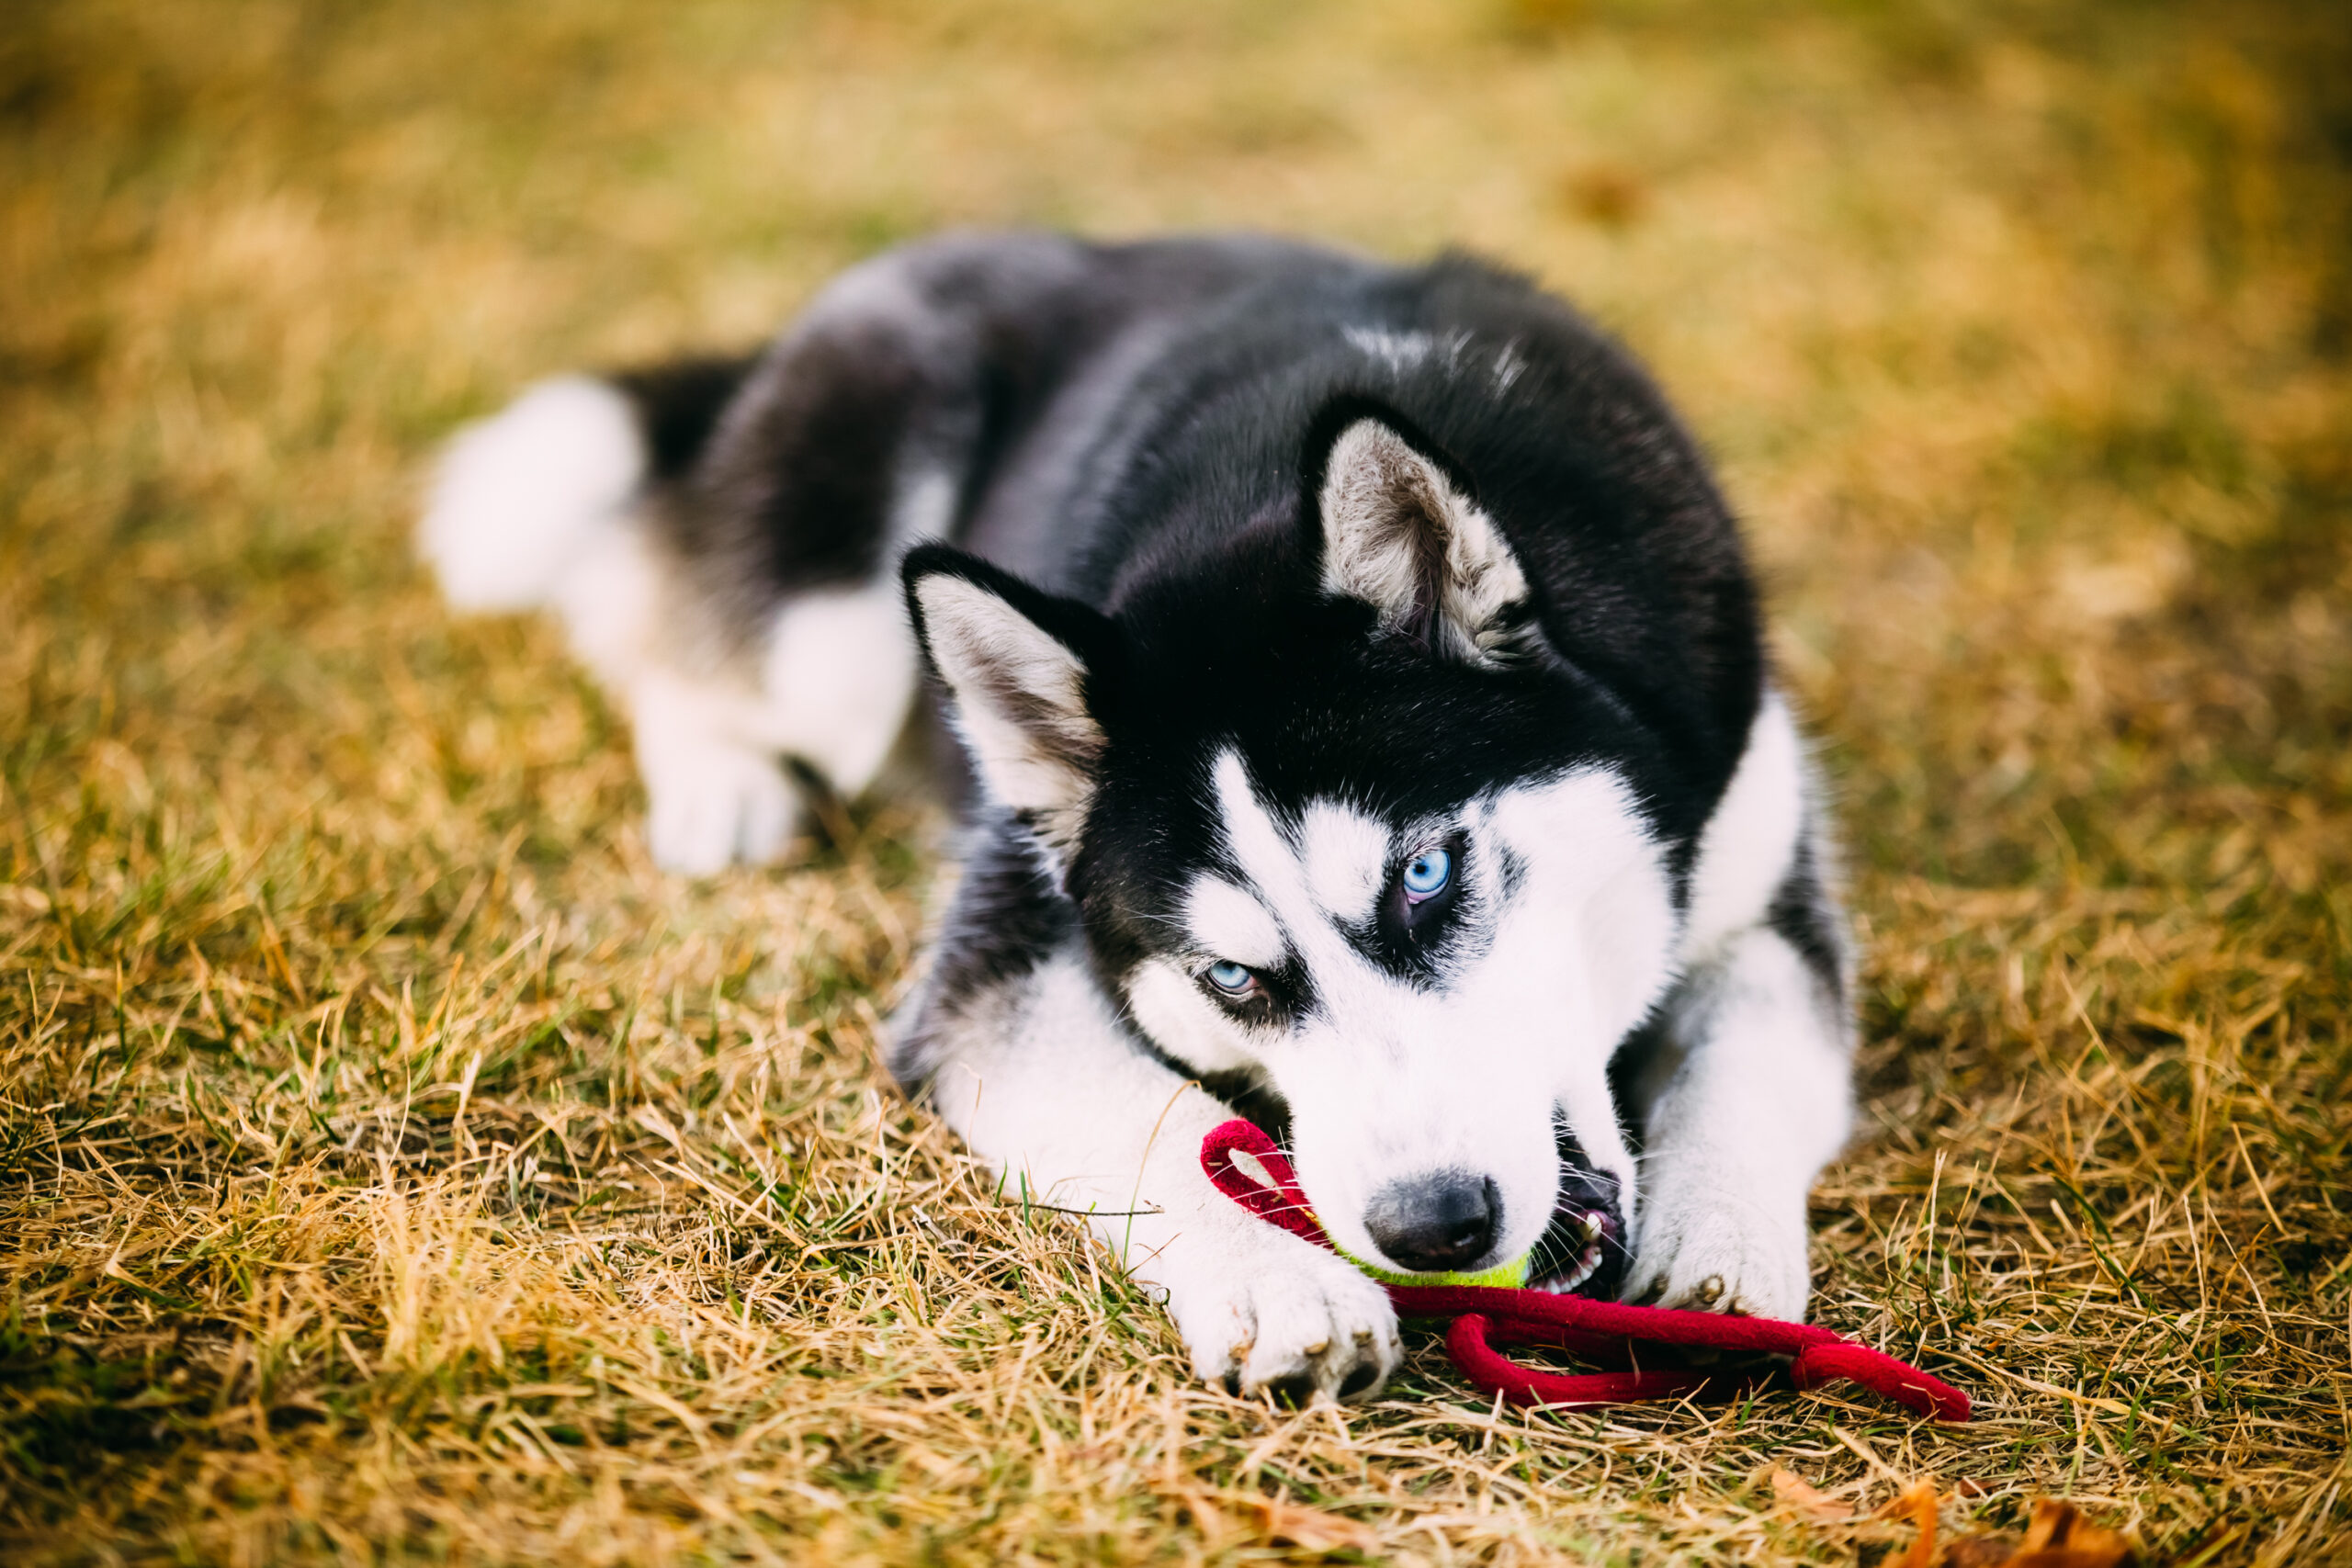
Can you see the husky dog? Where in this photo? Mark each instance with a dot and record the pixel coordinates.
(1362, 690)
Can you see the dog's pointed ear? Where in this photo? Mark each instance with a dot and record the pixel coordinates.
(1020, 667)
(1403, 532)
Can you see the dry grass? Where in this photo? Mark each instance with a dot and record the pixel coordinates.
(396, 1169)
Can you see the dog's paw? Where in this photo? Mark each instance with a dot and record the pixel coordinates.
(1297, 1325)
(1710, 1251)
(714, 805)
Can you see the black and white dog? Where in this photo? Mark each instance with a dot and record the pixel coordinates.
(1362, 681)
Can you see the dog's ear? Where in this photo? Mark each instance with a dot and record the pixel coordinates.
(1019, 666)
(1403, 531)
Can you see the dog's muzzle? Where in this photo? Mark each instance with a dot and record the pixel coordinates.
(1585, 1251)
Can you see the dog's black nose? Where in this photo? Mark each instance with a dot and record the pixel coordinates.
(1445, 1219)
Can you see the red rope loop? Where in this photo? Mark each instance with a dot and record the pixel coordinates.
(1247, 1167)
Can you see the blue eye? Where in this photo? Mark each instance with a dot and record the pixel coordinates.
(1426, 873)
(1230, 977)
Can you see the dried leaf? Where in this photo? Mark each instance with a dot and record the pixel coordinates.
(2053, 1522)
(1918, 1500)
(1796, 1493)
(1309, 1530)
(1213, 1522)
(2057, 1537)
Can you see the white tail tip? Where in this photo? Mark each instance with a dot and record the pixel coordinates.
(514, 493)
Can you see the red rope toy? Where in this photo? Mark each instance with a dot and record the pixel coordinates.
(1486, 1315)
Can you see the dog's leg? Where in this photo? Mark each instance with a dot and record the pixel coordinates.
(829, 686)
(1751, 1097)
(1041, 1081)
(1741, 1086)
(554, 502)
(718, 537)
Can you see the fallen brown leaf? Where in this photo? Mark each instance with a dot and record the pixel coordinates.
(2057, 1538)
(1278, 1523)
(1208, 1518)
(1918, 1500)
(1799, 1495)
(1309, 1530)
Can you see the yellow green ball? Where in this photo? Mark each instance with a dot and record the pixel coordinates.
(1509, 1276)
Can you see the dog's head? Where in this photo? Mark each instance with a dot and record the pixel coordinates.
(1343, 827)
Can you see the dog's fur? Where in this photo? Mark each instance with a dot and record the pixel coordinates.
(1255, 579)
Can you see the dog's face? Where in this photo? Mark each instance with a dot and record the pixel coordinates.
(1341, 830)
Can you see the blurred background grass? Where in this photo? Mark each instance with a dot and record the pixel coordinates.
(395, 1165)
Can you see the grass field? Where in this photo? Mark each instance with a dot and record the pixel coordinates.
(396, 1168)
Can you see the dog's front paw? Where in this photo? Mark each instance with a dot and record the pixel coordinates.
(712, 806)
(1297, 1324)
(1710, 1251)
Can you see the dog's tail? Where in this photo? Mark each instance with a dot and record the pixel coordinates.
(517, 496)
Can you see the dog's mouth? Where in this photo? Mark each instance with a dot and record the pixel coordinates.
(1595, 1243)
(1583, 1252)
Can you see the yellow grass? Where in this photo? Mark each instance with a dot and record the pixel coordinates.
(395, 1167)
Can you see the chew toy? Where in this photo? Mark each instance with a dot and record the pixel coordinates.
(1263, 1170)
(1492, 1309)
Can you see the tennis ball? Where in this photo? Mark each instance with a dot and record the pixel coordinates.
(1512, 1276)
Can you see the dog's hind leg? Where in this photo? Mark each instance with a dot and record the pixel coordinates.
(557, 503)
(717, 537)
